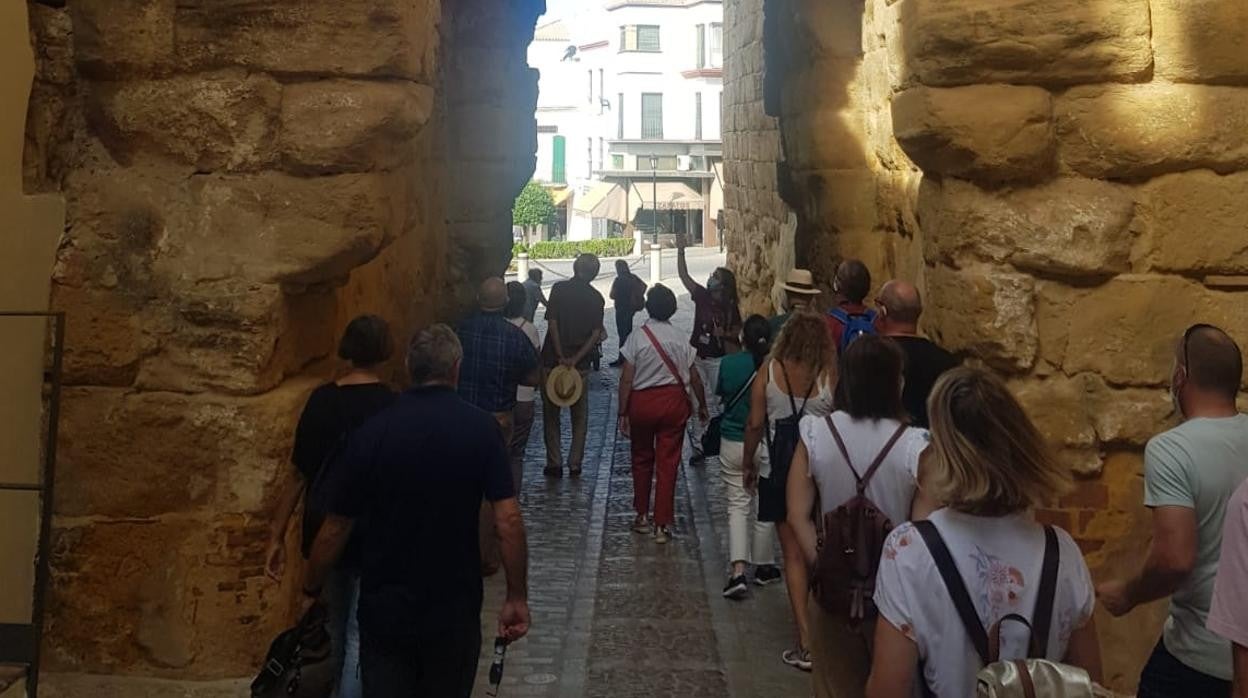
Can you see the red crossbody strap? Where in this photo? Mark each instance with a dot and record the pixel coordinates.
(671, 365)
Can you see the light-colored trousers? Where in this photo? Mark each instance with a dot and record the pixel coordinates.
(749, 540)
(708, 371)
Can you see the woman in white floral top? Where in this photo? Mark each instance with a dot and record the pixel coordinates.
(990, 467)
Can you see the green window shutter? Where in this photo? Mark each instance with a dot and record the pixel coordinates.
(560, 169)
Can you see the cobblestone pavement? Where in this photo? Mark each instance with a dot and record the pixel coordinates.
(616, 615)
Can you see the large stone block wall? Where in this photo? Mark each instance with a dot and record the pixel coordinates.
(1068, 182)
(760, 226)
(241, 178)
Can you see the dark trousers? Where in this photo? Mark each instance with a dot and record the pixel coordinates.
(440, 664)
(623, 324)
(1166, 677)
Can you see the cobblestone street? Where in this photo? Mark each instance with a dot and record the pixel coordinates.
(615, 614)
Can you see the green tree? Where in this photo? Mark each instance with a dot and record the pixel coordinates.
(533, 207)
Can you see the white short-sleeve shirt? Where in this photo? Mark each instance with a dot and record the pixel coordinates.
(999, 559)
(649, 369)
(525, 393)
(893, 485)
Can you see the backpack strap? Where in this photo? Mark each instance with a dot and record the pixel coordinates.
(879, 460)
(865, 479)
(1042, 618)
(956, 588)
(792, 402)
(741, 393)
(840, 314)
(671, 365)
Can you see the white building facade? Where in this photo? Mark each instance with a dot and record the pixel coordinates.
(629, 117)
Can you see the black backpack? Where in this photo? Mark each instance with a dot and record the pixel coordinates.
(784, 437)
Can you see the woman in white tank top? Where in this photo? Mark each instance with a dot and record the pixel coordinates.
(801, 381)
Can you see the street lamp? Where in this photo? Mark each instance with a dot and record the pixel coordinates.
(654, 178)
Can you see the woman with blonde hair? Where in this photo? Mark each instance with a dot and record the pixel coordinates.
(991, 468)
(798, 380)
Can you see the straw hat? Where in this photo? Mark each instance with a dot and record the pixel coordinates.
(564, 386)
(801, 282)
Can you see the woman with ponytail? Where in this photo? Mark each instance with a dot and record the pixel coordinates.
(736, 376)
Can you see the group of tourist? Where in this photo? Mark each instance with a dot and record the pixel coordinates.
(902, 488)
(900, 485)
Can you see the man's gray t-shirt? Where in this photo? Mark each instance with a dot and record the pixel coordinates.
(1198, 465)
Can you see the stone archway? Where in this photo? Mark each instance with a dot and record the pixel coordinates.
(241, 178)
(1065, 179)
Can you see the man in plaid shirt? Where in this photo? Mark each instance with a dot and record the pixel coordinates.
(497, 359)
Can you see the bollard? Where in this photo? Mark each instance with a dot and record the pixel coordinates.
(639, 247)
(656, 264)
(522, 266)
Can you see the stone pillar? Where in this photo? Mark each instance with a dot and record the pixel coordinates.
(241, 179)
(522, 266)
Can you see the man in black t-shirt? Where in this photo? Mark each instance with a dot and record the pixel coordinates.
(416, 473)
(629, 293)
(900, 306)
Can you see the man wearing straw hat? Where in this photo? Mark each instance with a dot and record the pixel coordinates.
(574, 317)
(799, 292)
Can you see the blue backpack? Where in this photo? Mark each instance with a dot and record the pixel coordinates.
(856, 325)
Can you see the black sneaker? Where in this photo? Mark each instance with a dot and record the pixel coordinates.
(736, 588)
(766, 574)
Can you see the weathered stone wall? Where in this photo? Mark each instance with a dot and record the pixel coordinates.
(241, 178)
(1069, 183)
(760, 225)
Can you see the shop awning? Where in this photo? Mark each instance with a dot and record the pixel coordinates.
(666, 196)
(611, 201)
(560, 196)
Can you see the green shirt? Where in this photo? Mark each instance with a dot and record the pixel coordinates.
(734, 372)
(1198, 465)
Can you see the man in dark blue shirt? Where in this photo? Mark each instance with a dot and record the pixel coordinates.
(415, 475)
(497, 356)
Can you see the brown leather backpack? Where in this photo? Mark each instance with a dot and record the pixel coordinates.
(853, 541)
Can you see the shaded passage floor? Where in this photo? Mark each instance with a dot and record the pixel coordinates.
(615, 614)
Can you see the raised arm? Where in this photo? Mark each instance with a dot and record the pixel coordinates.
(682, 267)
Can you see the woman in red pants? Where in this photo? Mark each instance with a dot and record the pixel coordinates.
(655, 387)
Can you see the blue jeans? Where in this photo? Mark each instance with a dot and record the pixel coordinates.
(343, 592)
(1166, 677)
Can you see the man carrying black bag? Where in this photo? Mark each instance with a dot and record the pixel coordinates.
(418, 472)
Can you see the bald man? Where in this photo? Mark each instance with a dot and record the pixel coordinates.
(1190, 474)
(900, 305)
(498, 358)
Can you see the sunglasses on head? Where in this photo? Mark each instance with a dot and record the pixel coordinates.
(1187, 336)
